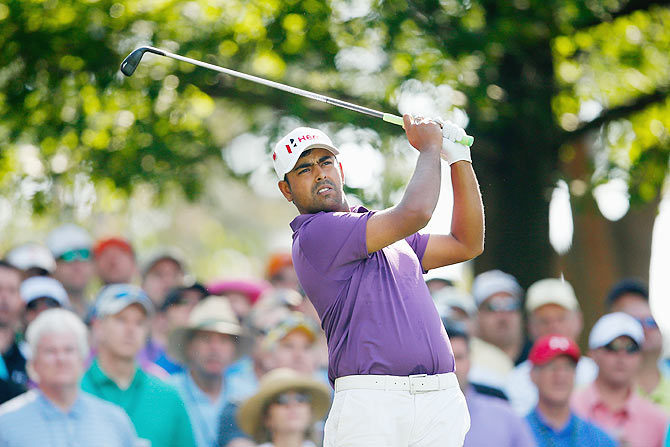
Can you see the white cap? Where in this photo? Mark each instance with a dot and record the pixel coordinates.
(450, 297)
(492, 282)
(113, 298)
(297, 141)
(551, 291)
(43, 286)
(66, 238)
(31, 255)
(614, 325)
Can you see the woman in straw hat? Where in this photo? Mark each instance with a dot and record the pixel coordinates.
(284, 409)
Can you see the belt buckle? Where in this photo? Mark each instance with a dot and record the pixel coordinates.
(415, 383)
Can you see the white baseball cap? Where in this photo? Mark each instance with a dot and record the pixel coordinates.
(297, 141)
(31, 255)
(113, 298)
(551, 291)
(43, 287)
(450, 297)
(68, 237)
(612, 326)
(492, 282)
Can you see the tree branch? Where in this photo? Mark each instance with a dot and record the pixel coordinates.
(617, 112)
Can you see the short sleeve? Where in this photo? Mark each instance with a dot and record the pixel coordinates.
(333, 243)
(418, 242)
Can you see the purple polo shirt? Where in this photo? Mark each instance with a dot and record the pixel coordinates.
(375, 308)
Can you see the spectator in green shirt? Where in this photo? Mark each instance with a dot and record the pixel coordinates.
(120, 328)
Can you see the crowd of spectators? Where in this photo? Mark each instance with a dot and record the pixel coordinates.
(100, 348)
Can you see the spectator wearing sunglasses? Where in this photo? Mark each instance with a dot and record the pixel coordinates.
(631, 297)
(612, 401)
(498, 337)
(284, 409)
(72, 246)
(289, 343)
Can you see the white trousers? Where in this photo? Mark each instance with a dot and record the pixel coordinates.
(386, 411)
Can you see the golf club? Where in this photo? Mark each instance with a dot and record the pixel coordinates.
(130, 63)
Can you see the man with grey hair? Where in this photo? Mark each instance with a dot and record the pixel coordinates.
(58, 413)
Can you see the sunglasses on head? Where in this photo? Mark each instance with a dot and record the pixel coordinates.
(629, 347)
(648, 323)
(507, 304)
(292, 396)
(82, 254)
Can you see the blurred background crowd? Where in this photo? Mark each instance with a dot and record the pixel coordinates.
(102, 345)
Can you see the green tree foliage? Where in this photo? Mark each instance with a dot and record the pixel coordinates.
(531, 79)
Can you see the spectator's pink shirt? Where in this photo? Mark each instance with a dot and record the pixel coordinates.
(637, 423)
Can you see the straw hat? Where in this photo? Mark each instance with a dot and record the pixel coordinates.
(214, 314)
(250, 416)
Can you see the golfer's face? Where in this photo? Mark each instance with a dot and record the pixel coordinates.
(316, 183)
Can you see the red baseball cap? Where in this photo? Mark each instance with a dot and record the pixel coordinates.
(102, 244)
(549, 347)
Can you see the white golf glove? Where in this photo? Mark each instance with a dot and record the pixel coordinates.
(451, 150)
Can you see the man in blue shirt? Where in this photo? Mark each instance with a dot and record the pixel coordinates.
(554, 360)
(207, 345)
(58, 413)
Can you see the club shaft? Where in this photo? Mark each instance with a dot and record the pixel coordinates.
(277, 85)
(388, 117)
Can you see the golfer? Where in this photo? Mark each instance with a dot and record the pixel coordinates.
(390, 360)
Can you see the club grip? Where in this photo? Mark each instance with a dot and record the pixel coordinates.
(395, 119)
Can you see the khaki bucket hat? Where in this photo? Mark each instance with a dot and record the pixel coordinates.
(251, 414)
(214, 314)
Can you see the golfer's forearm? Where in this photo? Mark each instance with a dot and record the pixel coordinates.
(423, 189)
(467, 222)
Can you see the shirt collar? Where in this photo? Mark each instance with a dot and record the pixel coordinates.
(302, 218)
(594, 399)
(198, 395)
(51, 411)
(98, 376)
(566, 428)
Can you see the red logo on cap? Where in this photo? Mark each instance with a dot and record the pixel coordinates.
(274, 156)
(288, 148)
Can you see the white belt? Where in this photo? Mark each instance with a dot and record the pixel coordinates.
(415, 384)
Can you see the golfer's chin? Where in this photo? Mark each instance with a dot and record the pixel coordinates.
(326, 204)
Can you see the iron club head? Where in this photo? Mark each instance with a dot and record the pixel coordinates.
(130, 63)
